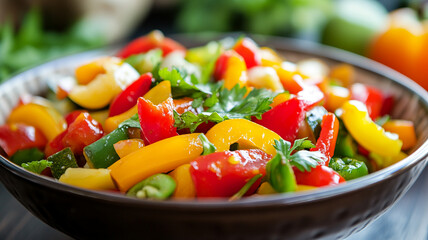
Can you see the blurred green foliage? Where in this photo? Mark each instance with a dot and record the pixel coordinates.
(31, 45)
(299, 18)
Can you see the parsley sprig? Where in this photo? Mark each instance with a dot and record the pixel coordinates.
(279, 173)
(226, 104)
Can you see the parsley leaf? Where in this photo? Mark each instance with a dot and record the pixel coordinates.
(182, 84)
(279, 173)
(228, 104)
(207, 145)
(37, 166)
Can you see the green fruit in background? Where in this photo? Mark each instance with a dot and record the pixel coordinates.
(354, 25)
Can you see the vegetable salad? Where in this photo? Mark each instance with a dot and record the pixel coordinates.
(228, 119)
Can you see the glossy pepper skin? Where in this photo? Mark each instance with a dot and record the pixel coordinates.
(372, 137)
(326, 142)
(223, 174)
(157, 121)
(243, 132)
(349, 168)
(284, 119)
(14, 137)
(370, 96)
(158, 186)
(128, 97)
(153, 40)
(319, 176)
(83, 131)
(162, 156)
(249, 50)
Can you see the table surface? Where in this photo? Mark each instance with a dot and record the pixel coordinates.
(407, 219)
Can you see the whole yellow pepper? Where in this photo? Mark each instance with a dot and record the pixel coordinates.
(246, 133)
(367, 133)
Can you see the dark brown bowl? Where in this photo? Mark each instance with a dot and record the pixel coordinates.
(333, 212)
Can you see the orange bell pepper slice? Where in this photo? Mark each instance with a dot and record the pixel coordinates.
(405, 130)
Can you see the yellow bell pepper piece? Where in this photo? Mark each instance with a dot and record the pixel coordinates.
(245, 133)
(125, 147)
(236, 72)
(156, 95)
(97, 179)
(335, 97)
(280, 98)
(43, 117)
(266, 189)
(405, 130)
(345, 73)
(159, 157)
(100, 92)
(87, 72)
(383, 162)
(264, 77)
(301, 188)
(185, 187)
(270, 57)
(369, 135)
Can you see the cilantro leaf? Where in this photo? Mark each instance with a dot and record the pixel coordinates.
(207, 145)
(37, 166)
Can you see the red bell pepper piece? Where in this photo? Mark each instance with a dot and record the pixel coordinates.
(319, 176)
(223, 174)
(151, 41)
(285, 118)
(157, 121)
(128, 97)
(328, 136)
(249, 50)
(82, 132)
(370, 96)
(55, 145)
(14, 137)
(387, 104)
(221, 64)
(310, 96)
(69, 118)
(361, 150)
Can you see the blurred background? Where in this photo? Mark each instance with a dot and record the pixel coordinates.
(394, 32)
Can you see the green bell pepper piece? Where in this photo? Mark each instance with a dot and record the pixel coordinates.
(349, 168)
(159, 186)
(27, 155)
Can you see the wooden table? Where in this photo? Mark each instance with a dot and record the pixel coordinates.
(407, 219)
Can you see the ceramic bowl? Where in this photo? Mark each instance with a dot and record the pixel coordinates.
(330, 212)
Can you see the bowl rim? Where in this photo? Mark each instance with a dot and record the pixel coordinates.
(281, 43)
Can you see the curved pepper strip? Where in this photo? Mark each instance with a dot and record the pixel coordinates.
(128, 97)
(162, 156)
(327, 140)
(356, 118)
(244, 132)
(370, 96)
(157, 121)
(154, 39)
